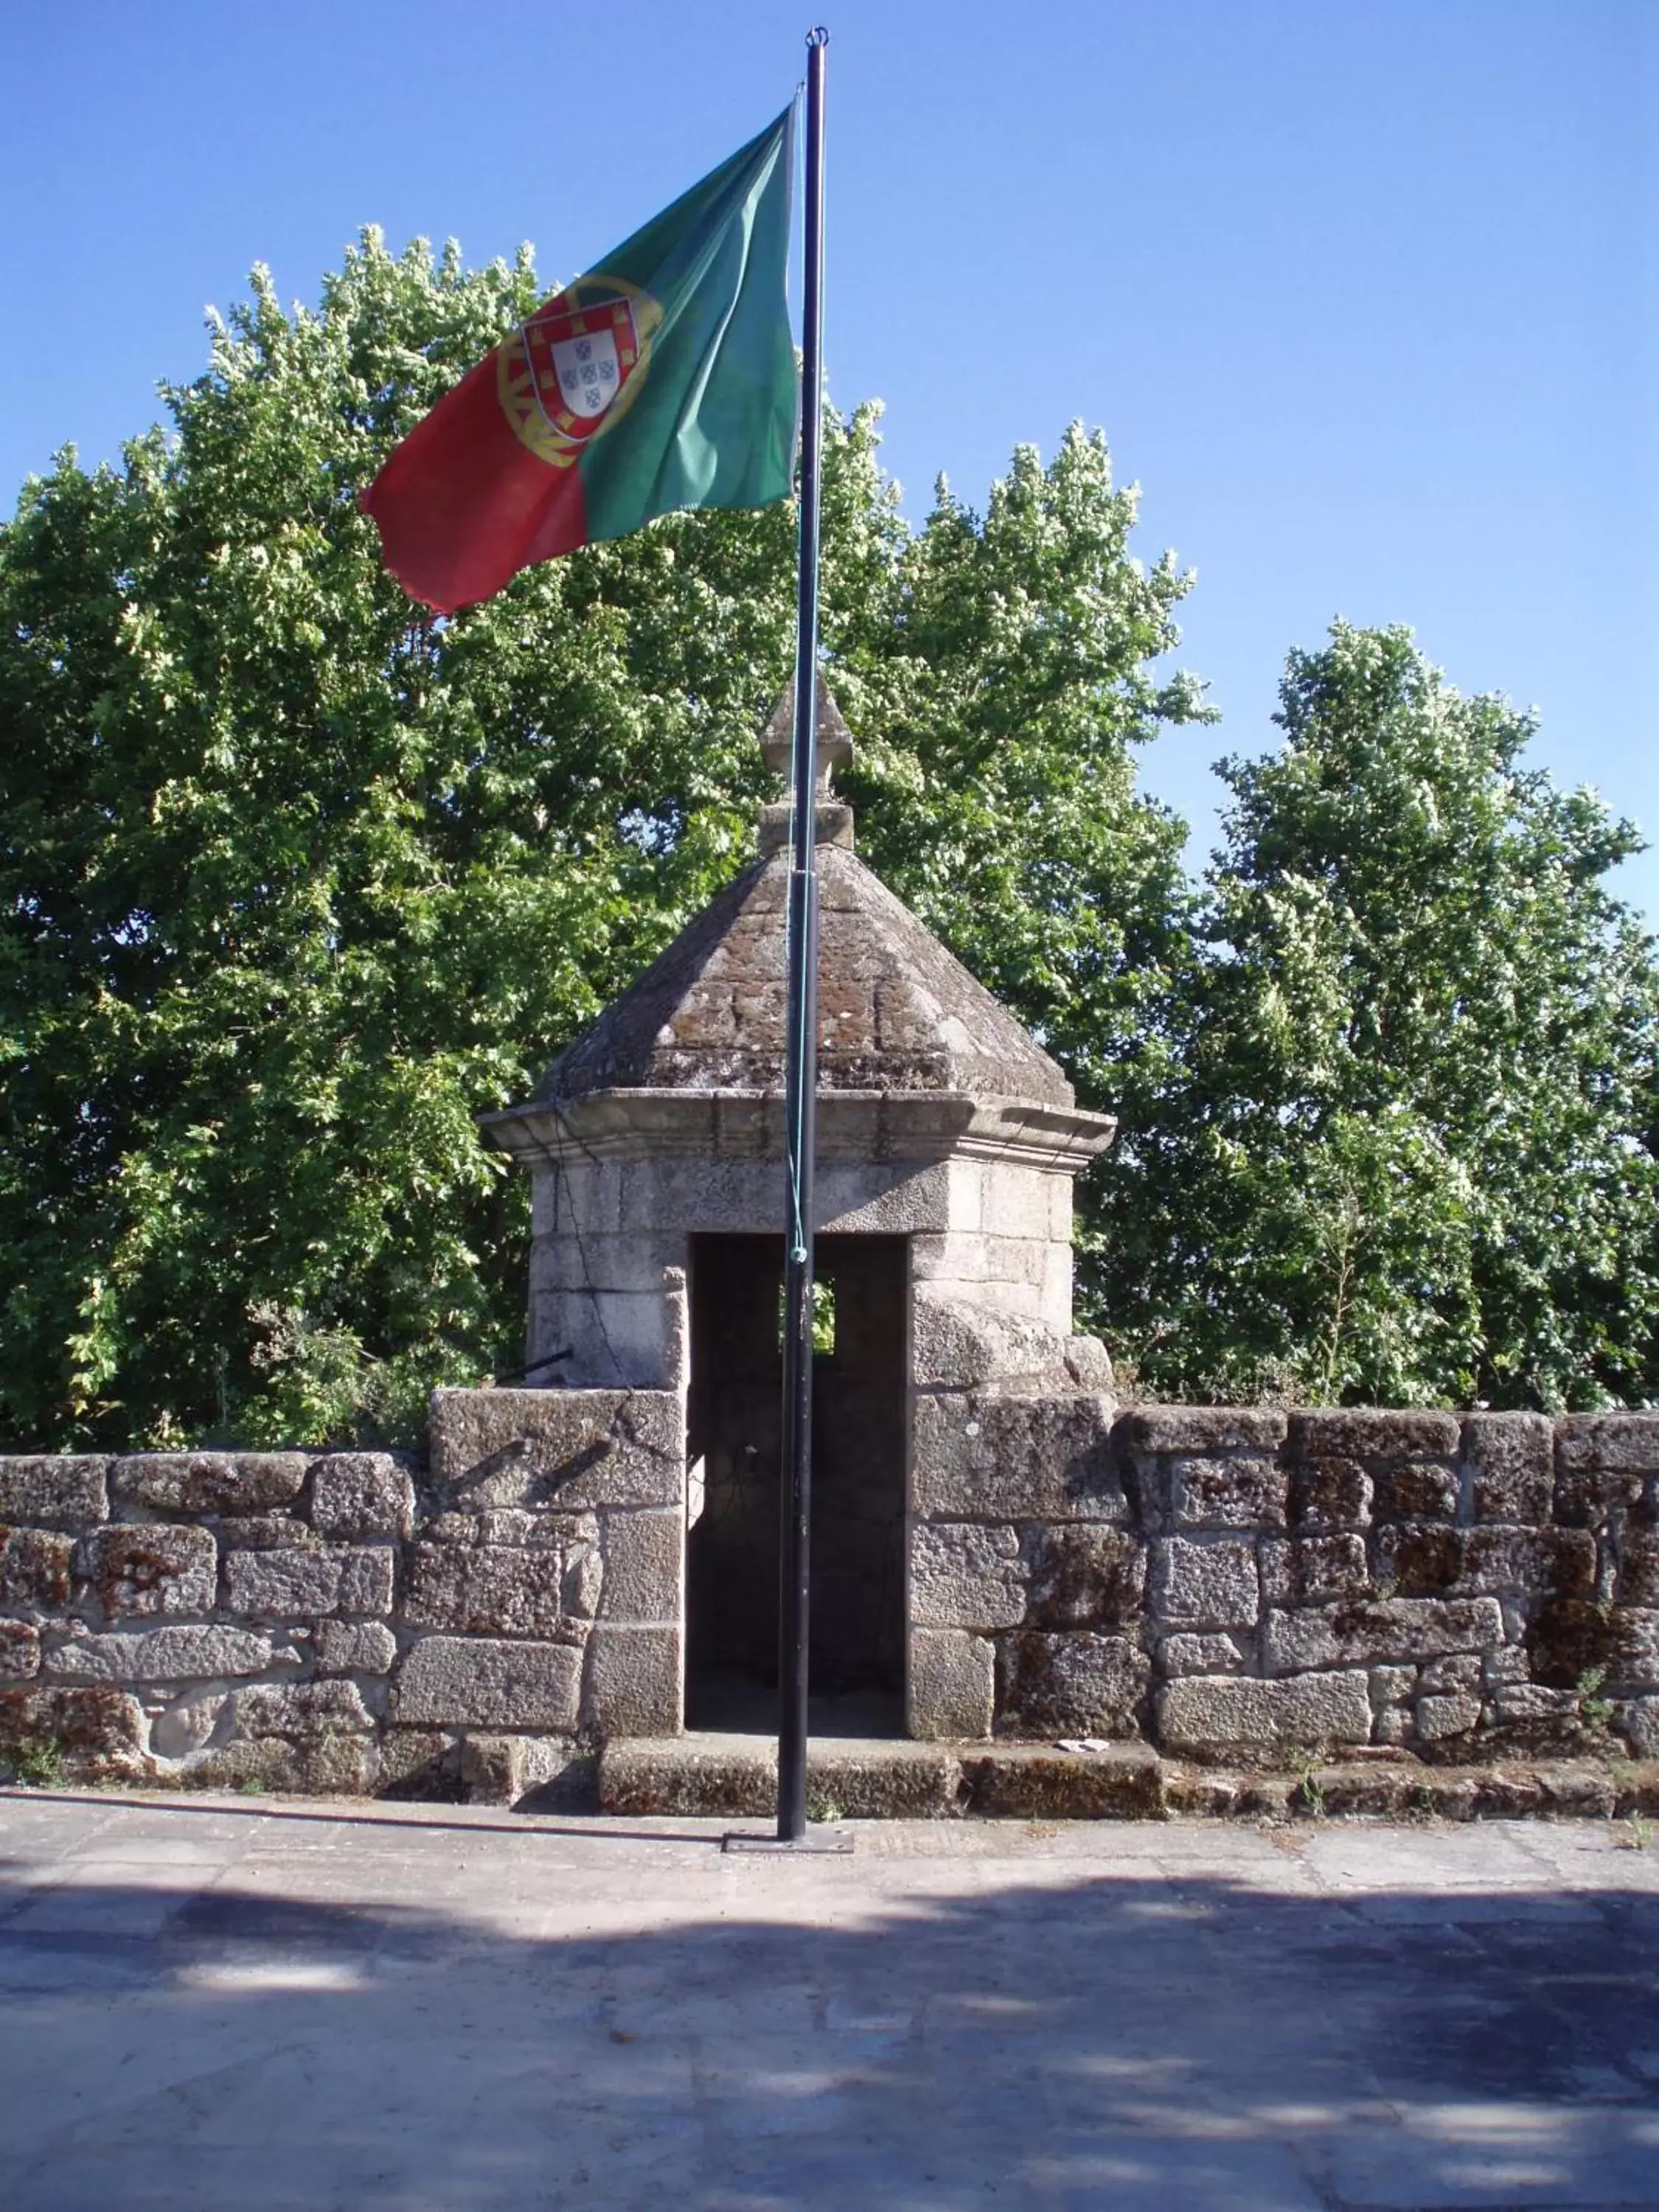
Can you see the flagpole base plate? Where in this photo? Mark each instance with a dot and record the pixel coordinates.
(817, 1843)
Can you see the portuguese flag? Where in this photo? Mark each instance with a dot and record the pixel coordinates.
(665, 380)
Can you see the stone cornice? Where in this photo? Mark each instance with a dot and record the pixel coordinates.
(866, 1126)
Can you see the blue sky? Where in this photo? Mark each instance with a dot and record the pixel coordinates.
(1364, 293)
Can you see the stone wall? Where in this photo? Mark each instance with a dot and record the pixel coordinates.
(315, 1620)
(1246, 1585)
(1237, 1586)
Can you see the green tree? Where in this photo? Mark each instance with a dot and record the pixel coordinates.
(294, 881)
(1409, 1154)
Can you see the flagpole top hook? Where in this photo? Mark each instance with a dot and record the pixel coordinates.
(818, 36)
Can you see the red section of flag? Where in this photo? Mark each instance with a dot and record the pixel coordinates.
(464, 504)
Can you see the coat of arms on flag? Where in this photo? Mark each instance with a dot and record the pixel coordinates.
(573, 369)
(682, 328)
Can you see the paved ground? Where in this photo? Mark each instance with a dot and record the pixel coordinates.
(243, 2006)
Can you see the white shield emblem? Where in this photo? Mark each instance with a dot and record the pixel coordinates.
(587, 370)
(576, 365)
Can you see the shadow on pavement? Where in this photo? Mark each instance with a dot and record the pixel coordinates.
(1143, 2039)
(358, 1812)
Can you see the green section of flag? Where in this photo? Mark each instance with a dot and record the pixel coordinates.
(713, 422)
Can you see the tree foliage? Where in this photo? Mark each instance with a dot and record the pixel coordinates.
(294, 882)
(1408, 1151)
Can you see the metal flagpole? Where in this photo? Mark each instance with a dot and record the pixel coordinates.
(801, 1051)
(801, 1068)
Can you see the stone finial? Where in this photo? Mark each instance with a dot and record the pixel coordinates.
(835, 739)
(832, 817)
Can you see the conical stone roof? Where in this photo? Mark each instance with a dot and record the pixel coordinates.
(897, 1012)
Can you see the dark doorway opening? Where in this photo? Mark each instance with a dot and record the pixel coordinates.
(856, 1658)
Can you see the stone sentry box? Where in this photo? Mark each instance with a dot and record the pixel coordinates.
(1234, 1586)
(940, 1122)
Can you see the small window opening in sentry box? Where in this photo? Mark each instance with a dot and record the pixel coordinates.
(824, 1319)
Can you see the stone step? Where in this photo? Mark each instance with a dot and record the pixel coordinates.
(862, 1778)
(851, 1777)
